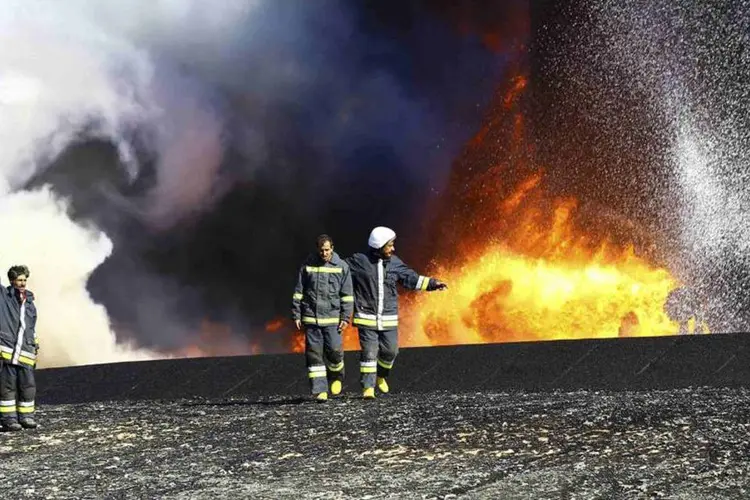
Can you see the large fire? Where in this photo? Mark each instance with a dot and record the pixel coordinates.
(543, 281)
(521, 264)
(523, 268)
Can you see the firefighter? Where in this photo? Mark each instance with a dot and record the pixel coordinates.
(323, 304)
(18, 348)
(374, 276)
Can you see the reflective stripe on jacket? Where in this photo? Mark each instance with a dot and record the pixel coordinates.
(323, 294)
(375, 295)
(17, 328)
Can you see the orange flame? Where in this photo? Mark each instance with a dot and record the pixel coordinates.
(527, 270)
(298, 342)
(275, 325)
(542, 281)
(216, 339)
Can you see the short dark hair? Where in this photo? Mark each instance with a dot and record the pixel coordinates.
(322, 239)
(16, 271)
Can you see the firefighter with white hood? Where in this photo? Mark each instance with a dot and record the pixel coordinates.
(375, 275)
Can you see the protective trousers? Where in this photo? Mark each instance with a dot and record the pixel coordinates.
(17, 392)
(379, 350)
(325, 356)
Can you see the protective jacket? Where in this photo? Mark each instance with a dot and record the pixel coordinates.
(18, 316)
(323, 294)
(375, 294)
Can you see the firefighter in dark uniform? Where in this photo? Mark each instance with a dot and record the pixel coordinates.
(18, 349)
(375, 275)
(323, 303)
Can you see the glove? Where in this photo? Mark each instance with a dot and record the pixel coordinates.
(439, 285)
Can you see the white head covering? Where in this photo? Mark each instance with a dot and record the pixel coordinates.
(380, 236)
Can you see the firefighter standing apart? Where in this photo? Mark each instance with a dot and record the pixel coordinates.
(374, 276)
(18, 349)
(323, 303)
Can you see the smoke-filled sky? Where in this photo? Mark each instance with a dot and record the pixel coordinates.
(198, 147)
(193, 150)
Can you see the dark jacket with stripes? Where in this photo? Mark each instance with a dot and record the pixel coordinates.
(323, 295)
(17, 328)
(375, 293)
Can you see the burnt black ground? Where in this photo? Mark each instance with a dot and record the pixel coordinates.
(687, 443)
(514, 425)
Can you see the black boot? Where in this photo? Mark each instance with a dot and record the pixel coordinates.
(11, 426)
(29, 423)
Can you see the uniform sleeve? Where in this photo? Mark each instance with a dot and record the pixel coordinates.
(349, 261)
(297, 297)
(36, 320)
(347, 295)
(412, 280)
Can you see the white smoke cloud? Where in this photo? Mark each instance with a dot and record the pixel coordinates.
(61, 255)
(75, 70)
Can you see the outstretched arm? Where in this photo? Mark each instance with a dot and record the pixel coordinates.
(414, 281)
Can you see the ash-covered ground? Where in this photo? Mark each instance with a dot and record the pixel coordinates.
(683, 443)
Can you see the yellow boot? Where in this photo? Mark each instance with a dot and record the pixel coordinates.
(323, 396)
(383, 385)
(369, 393)
(336, 387)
